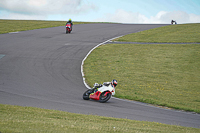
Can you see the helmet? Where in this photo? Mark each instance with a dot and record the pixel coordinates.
(70, 19)
(114, 82)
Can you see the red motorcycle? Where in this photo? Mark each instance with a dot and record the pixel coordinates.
(68, 28)
(101, 93)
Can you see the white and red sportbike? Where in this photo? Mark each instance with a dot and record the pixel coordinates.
(101, 93)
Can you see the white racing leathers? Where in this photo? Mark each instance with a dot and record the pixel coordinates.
(107, 86)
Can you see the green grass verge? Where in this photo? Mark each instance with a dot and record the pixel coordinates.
(171, 33)
(16, 119)
(7, 26)
(166, 74)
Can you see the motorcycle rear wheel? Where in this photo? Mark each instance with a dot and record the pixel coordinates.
(103, 98)
(86, 95)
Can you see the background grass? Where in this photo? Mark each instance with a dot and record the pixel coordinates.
(160, 74)
(15, 119)
(166, 75)
(171, 33)
(7, 26)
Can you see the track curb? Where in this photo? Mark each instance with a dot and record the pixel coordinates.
(82, 73)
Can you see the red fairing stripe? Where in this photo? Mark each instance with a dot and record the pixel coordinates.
(95, 96)
(107, 93)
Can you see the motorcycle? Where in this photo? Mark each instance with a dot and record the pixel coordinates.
(101, 93)
(173, 22)
(68, 28)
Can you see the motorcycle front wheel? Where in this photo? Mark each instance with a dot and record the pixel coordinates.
(103, 98)
(67, 30)
(86, 95)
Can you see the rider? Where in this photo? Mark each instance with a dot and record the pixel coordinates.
(113, 84)
(70, 21)
(173, 21)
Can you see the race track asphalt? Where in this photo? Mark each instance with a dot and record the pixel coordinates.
(42, 68)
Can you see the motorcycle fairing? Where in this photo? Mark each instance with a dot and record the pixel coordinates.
(107, 88)
(68, 25)
(95, 96)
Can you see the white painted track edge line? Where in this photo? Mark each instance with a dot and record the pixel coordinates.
(87, 86)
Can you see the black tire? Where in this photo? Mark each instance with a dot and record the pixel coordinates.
(86, 95)
(103, 98)
(67, 30)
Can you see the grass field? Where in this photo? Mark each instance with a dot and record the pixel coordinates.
(16, 119)
(159, 74)
(7, 26)
(166, 75)
(171, 33)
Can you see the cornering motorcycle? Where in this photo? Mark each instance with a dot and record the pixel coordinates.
(101, 93)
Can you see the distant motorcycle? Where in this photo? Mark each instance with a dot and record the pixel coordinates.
(173, 22)
(101, 93)
(68, 28)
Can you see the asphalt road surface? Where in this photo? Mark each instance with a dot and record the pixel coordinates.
(42, 68)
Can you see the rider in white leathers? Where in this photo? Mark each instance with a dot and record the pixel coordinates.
(106, 85)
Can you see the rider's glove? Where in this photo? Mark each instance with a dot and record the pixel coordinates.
(96, 84)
